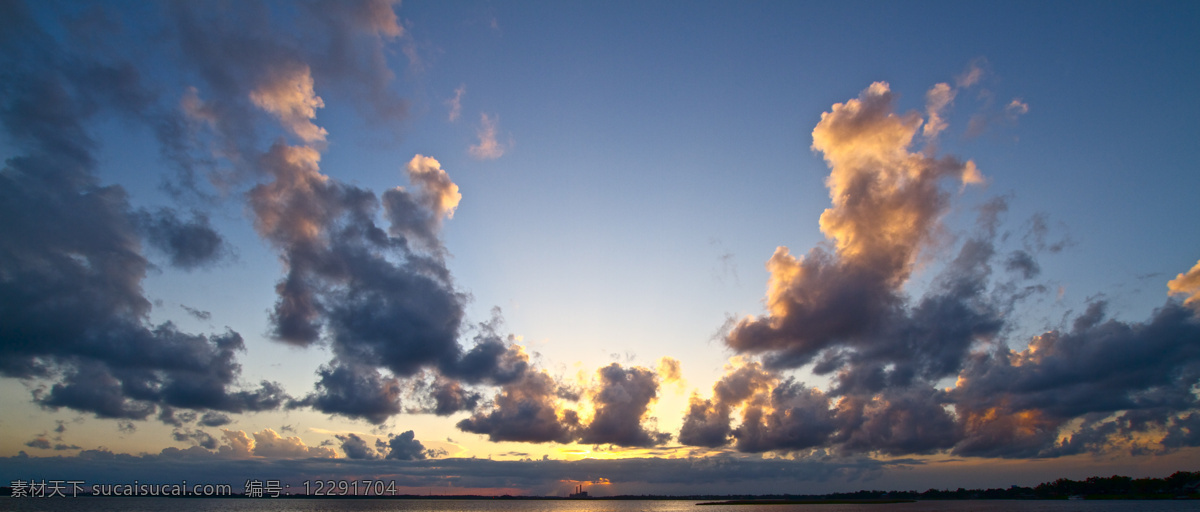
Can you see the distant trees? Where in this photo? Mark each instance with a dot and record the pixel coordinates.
(1181, 483)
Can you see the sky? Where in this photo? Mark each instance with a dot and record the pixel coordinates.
(646, 248)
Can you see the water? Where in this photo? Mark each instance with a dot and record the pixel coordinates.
(382, 505)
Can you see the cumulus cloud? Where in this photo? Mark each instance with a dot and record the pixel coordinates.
(887, 203)
(843, 311)
(622, 402)
(488, 147)
(1015, 402)
(268, 444)
(356, 447)
(525, 410)
(404, 446)
(534, 408)
(707, 421)
(76, 277)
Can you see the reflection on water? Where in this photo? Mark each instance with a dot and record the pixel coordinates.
(324, 505)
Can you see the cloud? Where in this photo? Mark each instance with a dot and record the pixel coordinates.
(795, 418)
(354, 391)
(622, 402)
(40, 443)
(973, 74)
(197, 437)
(455, 104)
(288, 93)
(488, 147)
(356, 448)
(215, 419)
(886, 208)
(1015, 402)
(532, 409)
(1187, 285)
(843, 312)
(404, 446)
(197, 313)
(670, 371)
(525, 410)
(378, 292)
(188, 244)
(1016, 108)
(936, 101)
(268, 444)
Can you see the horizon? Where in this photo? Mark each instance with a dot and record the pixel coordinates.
(645, 249)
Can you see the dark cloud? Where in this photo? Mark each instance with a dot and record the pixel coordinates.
(215, 419)
(1021, 261)
(170, 416)
(379, 295)
(443, 397)
(355, 392)
(622, 401)
(71, 303)
(405, 446)
(381, 303)
(197, 313)
(356, 447)
(40, 443)
(707, 420)
(188, 244)
(1098, 367)
(1184, 431)
(525, 410)
(532, 409)
(795, 418)
(198, 437)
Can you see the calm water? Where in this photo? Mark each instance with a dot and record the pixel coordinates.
(269, 505)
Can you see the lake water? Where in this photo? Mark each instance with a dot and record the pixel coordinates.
(382, 505)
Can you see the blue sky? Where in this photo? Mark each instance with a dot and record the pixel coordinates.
(626, 171)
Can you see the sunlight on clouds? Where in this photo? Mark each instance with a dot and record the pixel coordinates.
(936, 101)
(289, 94)
(1188, 285)
(443, 195)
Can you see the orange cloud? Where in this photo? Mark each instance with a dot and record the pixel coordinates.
(269, 444)
(440, 193)
(289, 94)
(936, 101)
(1188, 285)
